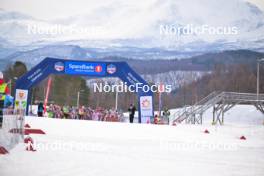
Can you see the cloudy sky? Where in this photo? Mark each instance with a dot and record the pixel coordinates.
(50, 9)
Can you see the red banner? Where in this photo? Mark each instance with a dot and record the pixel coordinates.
(47, 95)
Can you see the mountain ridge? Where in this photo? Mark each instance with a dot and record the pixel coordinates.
(199, 62)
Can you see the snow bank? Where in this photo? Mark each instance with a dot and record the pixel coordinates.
(78, 147)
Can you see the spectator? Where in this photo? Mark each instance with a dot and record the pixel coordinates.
(51, 111)
(66, 112)
(156, 119)
(40, 109)
(4, 92)
(131, 110)
(81, 112)
(166, 115)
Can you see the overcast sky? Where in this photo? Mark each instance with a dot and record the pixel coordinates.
(50, 9)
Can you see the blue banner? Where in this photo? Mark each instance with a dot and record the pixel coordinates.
(88, 68)
(85, 68)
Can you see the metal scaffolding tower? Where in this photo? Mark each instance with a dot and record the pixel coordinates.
(221, 103)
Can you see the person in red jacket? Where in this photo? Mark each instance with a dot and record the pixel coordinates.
(4, 91)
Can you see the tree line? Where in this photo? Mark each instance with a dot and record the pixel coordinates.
(64, 88)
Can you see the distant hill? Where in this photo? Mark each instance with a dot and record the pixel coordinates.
(204, 62)
(228, 57)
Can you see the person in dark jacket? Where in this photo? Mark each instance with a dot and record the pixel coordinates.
(131, 110)
(40, 110)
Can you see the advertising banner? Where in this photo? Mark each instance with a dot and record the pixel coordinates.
(146, 108)
(21, 99)
(85, 68)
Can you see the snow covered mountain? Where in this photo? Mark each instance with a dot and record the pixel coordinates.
(128, 24)
(34, 56)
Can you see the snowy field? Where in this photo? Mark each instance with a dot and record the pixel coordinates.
(76, 148)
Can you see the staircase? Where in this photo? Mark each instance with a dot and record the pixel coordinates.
(221, 102)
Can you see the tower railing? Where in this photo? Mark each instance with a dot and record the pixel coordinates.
(226, 99)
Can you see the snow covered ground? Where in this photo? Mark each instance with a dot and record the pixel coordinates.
(76, 147)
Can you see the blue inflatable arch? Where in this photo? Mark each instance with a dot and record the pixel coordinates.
(91, 69)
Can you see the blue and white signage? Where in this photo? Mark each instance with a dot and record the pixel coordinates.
(85, 68)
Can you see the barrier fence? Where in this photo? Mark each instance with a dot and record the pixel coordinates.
(12, 129)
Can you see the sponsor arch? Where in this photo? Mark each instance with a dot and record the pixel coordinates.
(85, 68)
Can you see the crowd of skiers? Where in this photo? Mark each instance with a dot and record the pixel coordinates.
(98, 114)
(82, 113)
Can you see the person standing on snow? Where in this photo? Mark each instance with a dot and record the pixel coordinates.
(4, 92)
(131, 110)
(40, 109)
(166, 114)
